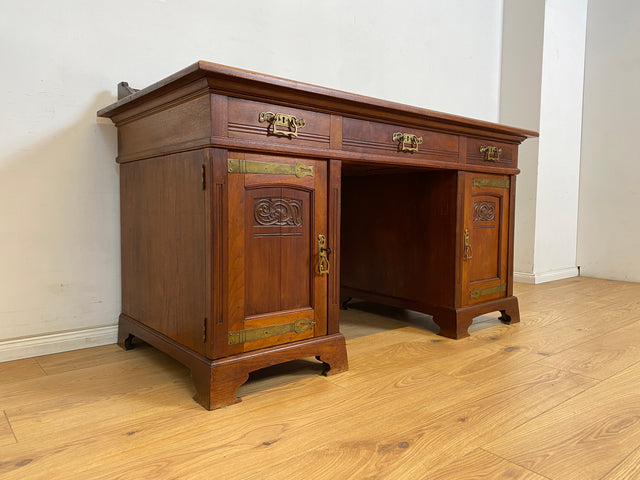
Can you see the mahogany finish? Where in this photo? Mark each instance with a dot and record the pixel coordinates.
(252, 207)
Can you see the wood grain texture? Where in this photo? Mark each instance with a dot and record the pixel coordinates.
(628, 469)
(20, 370)
(585, 437)
(479, 465)
(102, 413)
(163, 224)
(238, 82)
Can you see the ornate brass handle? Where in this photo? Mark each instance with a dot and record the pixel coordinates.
(407, 142)
(323, 261)
(491, 154)
(282, 123)
(467, 253)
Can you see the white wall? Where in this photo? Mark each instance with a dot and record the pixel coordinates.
(59, 247)
(542, 83)
(609, 223)
(521, 76)
(560, 134)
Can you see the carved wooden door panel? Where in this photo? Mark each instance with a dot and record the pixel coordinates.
(277, 220)
(485, 239)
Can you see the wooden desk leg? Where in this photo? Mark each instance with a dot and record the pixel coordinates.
(217, 382)
(510, 313)
(454, 323)
(217, 386)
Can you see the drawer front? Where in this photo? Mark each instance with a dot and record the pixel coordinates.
(488, 152)
(392, 140)
(278, 124)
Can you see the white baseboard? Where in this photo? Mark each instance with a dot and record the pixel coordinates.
(57, 342)
(551, 276)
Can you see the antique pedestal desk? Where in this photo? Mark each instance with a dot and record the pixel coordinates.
(252, 207)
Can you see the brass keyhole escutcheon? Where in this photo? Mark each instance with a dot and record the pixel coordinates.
(467, 252)
(323, 260)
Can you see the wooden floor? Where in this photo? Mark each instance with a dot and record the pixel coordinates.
(555, 397)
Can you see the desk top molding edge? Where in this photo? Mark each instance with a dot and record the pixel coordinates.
(205, 78)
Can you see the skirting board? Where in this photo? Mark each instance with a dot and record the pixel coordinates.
(57, 342)
(536, 278)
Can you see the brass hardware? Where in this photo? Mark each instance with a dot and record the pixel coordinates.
(492, 154)
(491, 182)
(302, 170)
(253, 334)
(407, 142)
(467, 253)
(323, 261)
(480, 292)
(247, 166)
(282, 123)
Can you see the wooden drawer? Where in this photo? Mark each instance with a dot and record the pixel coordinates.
(278, 124)
(481, 152)
(385, 139)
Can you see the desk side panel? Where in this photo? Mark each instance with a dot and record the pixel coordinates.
(164, 257)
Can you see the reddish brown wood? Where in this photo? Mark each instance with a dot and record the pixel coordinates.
(244, 123)
(334, 195)
(486, 217)
(396, 238)
(217, 381)
(164, 269)
(377, 138)
(202, 256)
(512, 224)
(243, 83)
(507, 155)
(454, 323)
(276, 220)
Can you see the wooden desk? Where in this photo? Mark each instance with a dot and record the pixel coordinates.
(252, 207)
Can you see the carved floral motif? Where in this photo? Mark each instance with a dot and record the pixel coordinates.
(484, 211)
(283, 212)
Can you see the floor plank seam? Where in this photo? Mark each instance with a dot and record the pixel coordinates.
(514, 463)
(613, 469)
(519, 425)
(6, 417)
(40, 366)
(564, 369)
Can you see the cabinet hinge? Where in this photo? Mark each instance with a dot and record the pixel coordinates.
(204, 331)
(204, 179)
(480, 292)
(299, 326)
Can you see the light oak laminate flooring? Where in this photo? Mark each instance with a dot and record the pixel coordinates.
(554, 397)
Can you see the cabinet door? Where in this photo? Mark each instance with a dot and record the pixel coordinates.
(277, 222)
(485, 239)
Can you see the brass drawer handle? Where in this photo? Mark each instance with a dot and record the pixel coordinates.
(467, 252)
(407, 142)
(491, 154)
(282, 123)
(323, 261)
